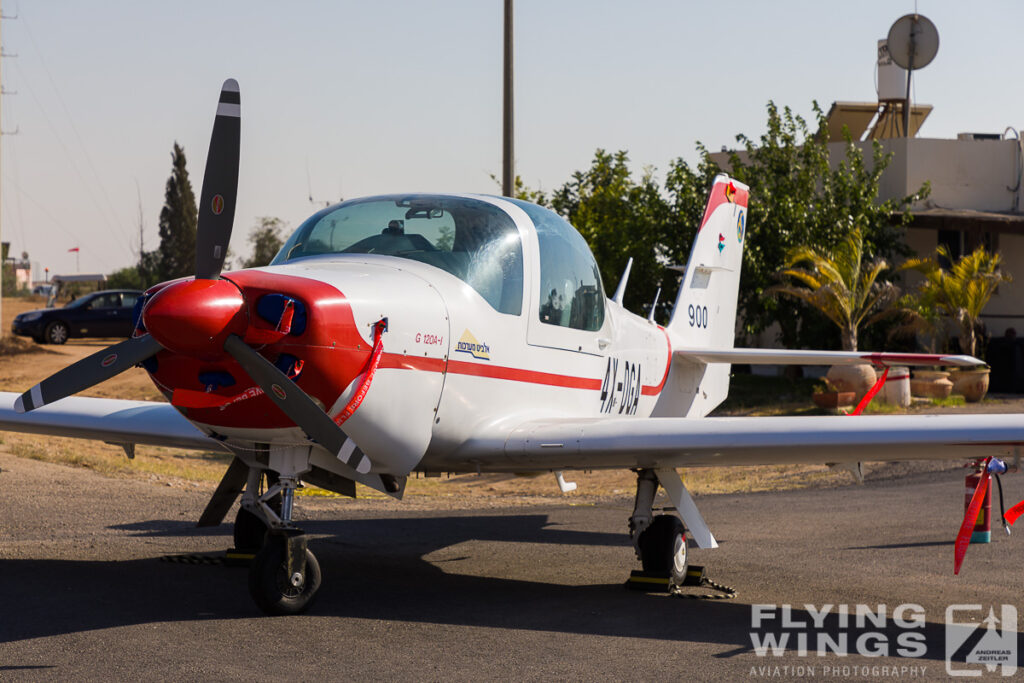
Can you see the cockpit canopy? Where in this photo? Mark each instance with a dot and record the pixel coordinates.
(475, 241)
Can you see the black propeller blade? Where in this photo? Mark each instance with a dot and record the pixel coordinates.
(220, 186)
(88, 372)
(216, 215)
(297, 405)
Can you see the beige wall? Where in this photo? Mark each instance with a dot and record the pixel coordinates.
(964, 174)
(1006, 309)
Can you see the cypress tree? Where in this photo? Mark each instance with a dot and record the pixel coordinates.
(177, 257)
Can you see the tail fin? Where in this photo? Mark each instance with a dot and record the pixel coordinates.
(705, 312)
(704, 315)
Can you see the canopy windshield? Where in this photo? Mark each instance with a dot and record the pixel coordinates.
(471, 239)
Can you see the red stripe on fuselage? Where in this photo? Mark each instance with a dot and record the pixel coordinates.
(459, 367)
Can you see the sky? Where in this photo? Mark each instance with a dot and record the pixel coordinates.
(343, 99)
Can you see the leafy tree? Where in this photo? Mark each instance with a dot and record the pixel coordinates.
(619, 218)
(962, 290)
(838, 283)
(176, 256)
(127, 278)
(266, 239)
(798, 200)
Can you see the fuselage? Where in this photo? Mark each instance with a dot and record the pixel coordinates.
(486, 326)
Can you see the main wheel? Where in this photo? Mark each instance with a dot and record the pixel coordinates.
(249, 531)
(663, 548)
(56, 332)
(274, 591)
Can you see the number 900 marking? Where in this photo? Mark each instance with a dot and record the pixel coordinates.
(698, 316)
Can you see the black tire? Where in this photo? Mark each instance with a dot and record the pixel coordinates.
(249, 532)
(270, 585)
(56, 332)
(663, 548)
(39, 339)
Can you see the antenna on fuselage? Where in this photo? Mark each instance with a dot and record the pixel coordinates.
(620, 291)
(654, 305)
(309, 189)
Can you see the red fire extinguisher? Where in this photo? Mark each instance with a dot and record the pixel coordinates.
(983, 524)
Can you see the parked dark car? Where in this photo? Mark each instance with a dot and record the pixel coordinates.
(101, 314)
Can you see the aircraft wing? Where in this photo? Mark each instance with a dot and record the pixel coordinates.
(801, 357)
(732, 441)
(106, 419)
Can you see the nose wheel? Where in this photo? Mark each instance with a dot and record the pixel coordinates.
(284, 577)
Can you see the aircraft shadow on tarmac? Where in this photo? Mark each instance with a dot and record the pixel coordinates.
(377, 570)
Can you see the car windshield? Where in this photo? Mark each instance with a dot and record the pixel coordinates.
(79, 302)
(475, 241)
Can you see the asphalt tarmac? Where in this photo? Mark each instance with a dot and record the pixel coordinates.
(521, 593)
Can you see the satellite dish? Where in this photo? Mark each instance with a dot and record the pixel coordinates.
(913, 41)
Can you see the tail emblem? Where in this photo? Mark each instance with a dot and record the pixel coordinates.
(721, 243)
(741, 226)
(730, 193)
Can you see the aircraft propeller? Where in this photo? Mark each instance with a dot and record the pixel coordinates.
(206, 316)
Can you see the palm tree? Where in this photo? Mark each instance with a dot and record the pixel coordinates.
(838, 283)
(962, 291)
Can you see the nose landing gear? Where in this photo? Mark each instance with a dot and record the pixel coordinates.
(284, 575)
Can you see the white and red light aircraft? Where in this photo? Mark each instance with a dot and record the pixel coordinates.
(453, 333)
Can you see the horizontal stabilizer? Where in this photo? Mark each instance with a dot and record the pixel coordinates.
(800, 357)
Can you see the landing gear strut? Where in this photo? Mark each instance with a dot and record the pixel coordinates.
(660, 541)
(250, 526)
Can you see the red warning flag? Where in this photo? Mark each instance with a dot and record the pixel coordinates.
(963, 538)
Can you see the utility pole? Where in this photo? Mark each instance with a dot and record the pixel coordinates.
(508, 175)
(2, 265)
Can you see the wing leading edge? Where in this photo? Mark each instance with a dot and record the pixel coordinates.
(735, 441)
(105, 419)
(801, 357)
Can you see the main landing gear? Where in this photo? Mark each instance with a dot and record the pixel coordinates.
(284, 575)
(660, 541)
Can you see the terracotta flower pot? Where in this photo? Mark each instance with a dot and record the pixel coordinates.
(972, 384)
(931, 384)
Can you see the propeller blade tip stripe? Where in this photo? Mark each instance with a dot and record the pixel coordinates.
(30, 400)
(363, 466)
(346, 451)
(231, 110)
(231, 85)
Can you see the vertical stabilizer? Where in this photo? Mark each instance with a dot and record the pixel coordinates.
(705, 312)
(704, 315)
